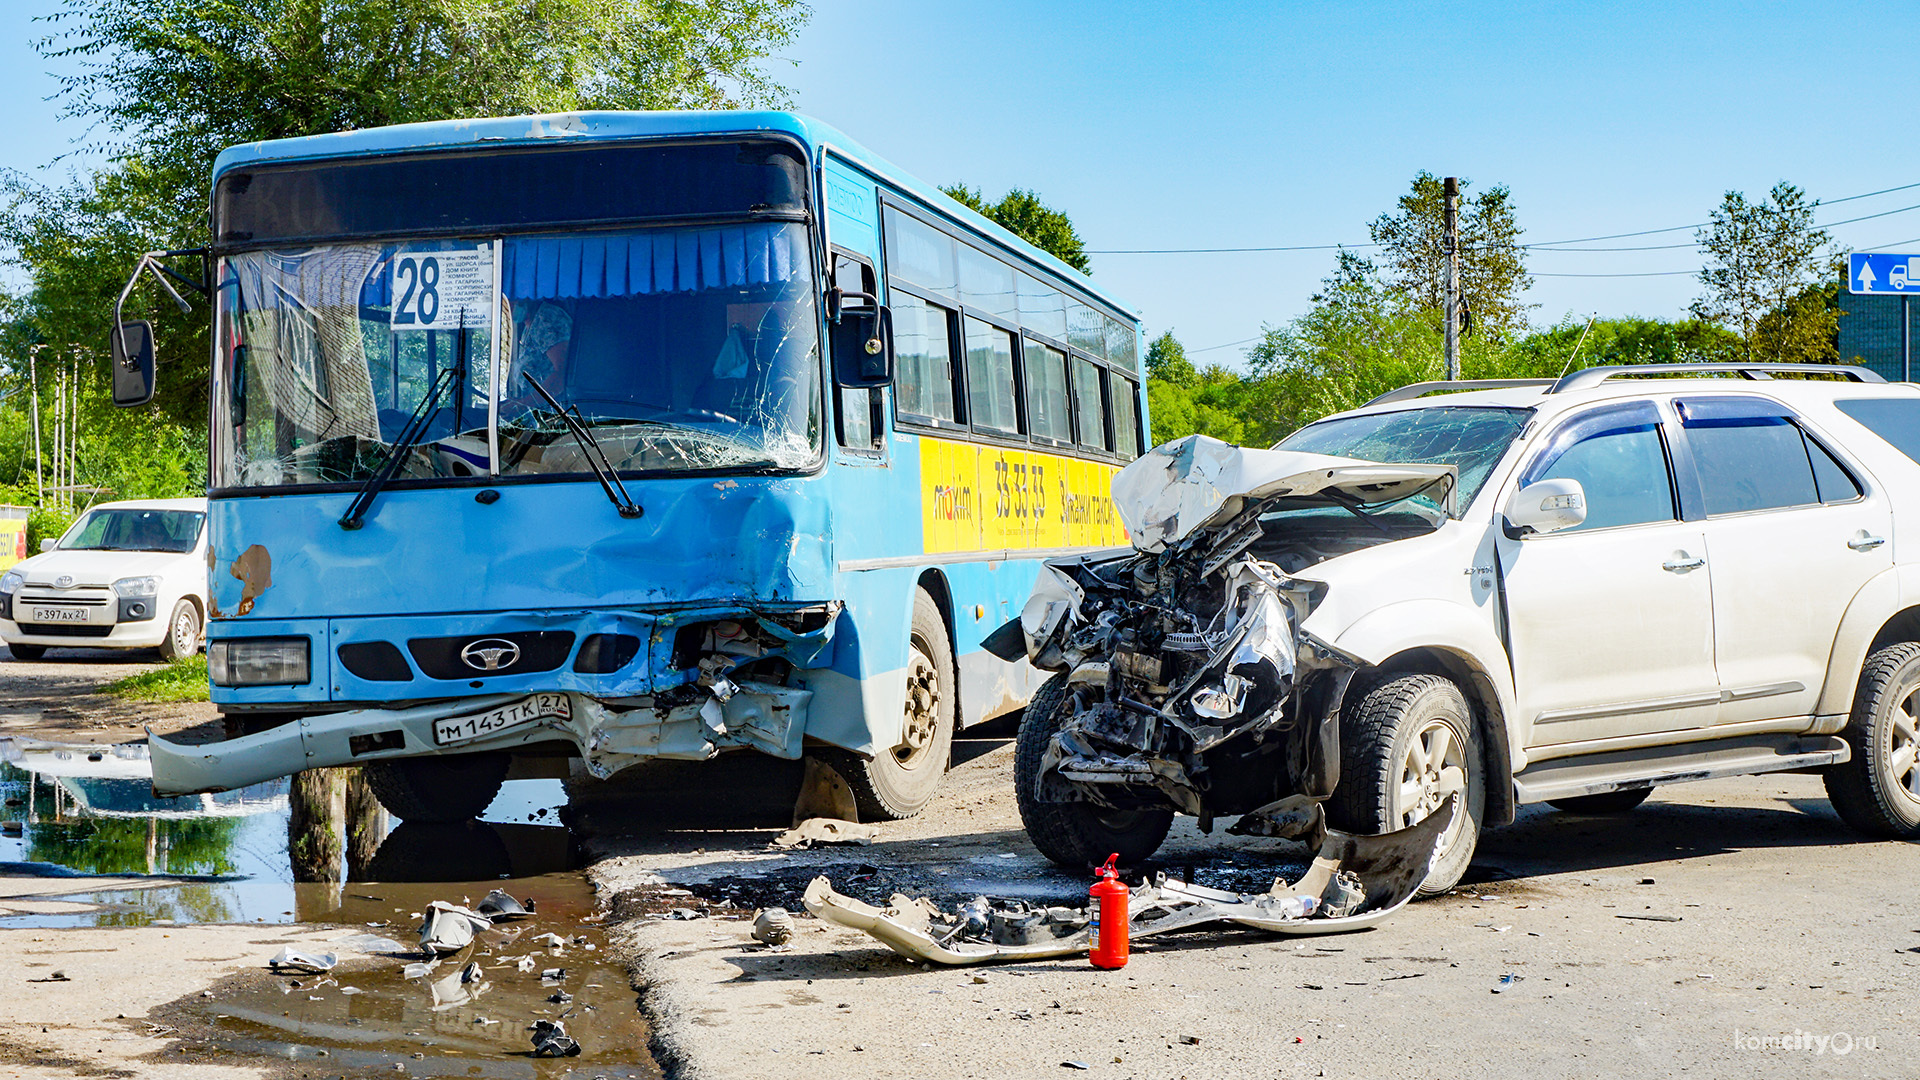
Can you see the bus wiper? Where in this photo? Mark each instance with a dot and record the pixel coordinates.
(590, 449)
(403, 445)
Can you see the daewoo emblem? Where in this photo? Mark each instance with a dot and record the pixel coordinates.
(490, 654)
(64, 581)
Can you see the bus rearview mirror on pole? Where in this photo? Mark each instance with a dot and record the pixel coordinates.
(132, 349)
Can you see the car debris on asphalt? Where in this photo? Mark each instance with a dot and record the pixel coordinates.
(448, 928)
(500, 907)
(772, 926)
(550, 1039)
(820, 831)
(1383, 871)
(291, 959)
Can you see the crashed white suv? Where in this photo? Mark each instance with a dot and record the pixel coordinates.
(1568, 592)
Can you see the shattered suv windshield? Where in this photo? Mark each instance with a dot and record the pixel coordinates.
(680, 348)
(1471, 439)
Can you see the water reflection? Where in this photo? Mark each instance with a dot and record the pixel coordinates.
(275, 852)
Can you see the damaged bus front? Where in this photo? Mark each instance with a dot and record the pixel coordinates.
(1188, 680)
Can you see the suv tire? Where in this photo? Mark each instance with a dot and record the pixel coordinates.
(1607, 802)
(1074, 835)
(1388, 780)
(898, 783)
(1877, 790)
(438, 789)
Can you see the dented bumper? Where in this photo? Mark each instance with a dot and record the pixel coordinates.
(608, 737)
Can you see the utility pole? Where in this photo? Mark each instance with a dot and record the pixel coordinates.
(33, 376)
(1453, 276)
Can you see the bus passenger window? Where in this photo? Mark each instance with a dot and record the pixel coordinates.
(991, 398)
(923, 358)
(1088, 411)
(1126, 419)
(1047, 393)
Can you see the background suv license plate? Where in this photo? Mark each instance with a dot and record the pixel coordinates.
(525, 711)
(54, 614)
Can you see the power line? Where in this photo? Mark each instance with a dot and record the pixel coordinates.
(1228, 345)
(1654, 273)
(1540, 245)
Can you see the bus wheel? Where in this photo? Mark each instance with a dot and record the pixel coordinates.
(898, 783)
(452, 788)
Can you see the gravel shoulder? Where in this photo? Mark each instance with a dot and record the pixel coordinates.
(1790, 928)
(55, 699)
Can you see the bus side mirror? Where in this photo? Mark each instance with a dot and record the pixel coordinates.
(862, 341)
(132, 349)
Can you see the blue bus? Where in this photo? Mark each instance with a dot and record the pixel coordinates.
(624, 436)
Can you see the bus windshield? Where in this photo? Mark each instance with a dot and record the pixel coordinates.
(680, 348)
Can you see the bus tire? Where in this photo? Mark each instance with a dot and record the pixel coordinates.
(1074, 835)
(899, 782)
(439, 789)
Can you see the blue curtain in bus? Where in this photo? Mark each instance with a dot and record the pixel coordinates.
(668, 260)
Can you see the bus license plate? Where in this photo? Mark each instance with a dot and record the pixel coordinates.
(55, 614)
(456, 729)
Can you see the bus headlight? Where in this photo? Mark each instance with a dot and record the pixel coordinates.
(258, 662)
(129, 588)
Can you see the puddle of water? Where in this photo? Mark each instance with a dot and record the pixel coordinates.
(74, 813)
(236, 844)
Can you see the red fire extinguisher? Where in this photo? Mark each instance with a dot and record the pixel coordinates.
(1109, 917)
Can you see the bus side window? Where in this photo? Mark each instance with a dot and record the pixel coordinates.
(1089, 410)
(1126, 417)
(859, 407)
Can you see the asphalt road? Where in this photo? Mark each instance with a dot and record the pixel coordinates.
(1785, 945)
(53, 698)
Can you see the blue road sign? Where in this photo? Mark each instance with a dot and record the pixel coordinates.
(1889, 275)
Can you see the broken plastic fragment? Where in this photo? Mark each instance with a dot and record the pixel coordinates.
(290, 959)
(1388, 869)
(815, 831)
(550, 1039)
(772, 926)
(459, 987)
(416, 971)
(501, 907)
(448, 928)
(551, 941)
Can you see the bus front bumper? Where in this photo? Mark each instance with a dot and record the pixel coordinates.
(758, 716)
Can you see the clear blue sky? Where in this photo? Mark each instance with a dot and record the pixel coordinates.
(1227, 125)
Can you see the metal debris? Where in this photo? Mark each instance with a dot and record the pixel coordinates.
(1385, 870)
(550, 1039)
(291, 959)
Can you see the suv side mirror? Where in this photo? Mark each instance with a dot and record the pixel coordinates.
(1546, 506)
(132, 348)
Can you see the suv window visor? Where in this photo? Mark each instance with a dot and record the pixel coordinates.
(1701, 412)
(1609, 420)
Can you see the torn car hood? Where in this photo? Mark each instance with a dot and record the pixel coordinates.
(1181, 487)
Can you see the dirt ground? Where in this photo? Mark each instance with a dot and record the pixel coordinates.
(54, 699)
(1795, 951)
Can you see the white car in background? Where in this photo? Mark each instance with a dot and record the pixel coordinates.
(127, 575)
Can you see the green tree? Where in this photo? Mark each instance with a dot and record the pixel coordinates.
(1493, 272)
(1167, 361)
(1021, 213)
(1183, 399)
(1767, 276)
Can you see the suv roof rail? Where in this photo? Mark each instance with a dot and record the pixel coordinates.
(1581, 380)
(1422, 389)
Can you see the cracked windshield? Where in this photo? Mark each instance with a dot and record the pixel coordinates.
(1470, 440)
(678, 348)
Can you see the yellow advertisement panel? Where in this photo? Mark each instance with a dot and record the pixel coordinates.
(13, 535)
(986, 498)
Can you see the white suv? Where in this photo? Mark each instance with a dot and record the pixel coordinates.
(1561, 591)
(127, 575)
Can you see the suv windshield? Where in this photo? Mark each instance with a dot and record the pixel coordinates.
(129, 529)
(1471, 439)
(688, 348)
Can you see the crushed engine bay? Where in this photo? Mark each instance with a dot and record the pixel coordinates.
(1185, 680)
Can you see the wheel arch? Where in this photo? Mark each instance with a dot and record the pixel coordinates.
(1885, 610)
(1490, 715)
(934, 582)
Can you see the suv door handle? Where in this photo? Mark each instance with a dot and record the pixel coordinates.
(1863, 542)
(1682, 562)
